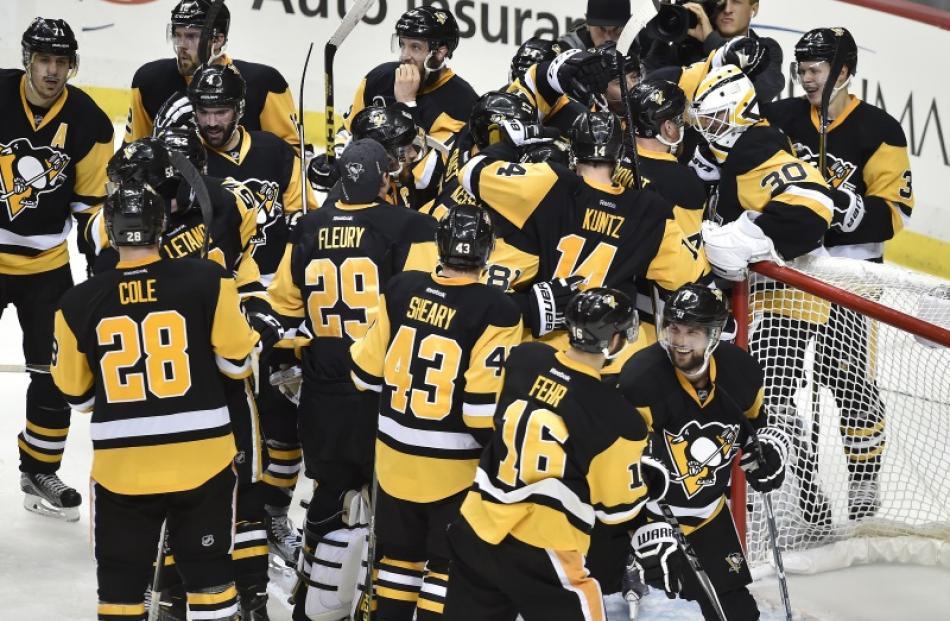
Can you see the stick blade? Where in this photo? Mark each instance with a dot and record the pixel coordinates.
(352, 17)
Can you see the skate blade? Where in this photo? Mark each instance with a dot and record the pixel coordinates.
(37, 505)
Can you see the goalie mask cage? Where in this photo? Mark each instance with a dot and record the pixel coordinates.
(856, 358)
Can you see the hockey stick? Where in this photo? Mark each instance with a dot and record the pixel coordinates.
(631, 131)
(701, 576)
(24, 368)
(836, 64)
(193, 177)
(205, 43)
(354, 15)
(370, 550)
(641, 11)
(157, 575)
(305, 200)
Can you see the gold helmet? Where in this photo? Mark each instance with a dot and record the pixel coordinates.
(725, 105)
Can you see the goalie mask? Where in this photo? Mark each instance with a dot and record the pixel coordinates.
(395, 129)
(134, 215)
(724, 107)
(491, 109)
(465, 237)
(594, 316)
(692, 321)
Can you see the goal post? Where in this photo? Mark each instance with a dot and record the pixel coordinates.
(856, 361)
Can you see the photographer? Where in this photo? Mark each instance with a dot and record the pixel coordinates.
(603, 21)
(686, 32)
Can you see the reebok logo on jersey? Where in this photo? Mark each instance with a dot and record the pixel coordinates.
(207, 541)
(26, 172)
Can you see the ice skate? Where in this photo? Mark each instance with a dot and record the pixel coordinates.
(46, 494)
(282, 538)
(633, 589)
(863, 498)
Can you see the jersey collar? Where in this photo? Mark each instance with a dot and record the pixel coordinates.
(126, 265)
(53, 110)
(224, 59)
(655, 155)
(450, 281)
(446, 75)
(356, 206)
(691, 391)
(577, 366)
(848, 109)
(242, 152)
(609, 188)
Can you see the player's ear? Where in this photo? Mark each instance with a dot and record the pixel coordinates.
(843, 76)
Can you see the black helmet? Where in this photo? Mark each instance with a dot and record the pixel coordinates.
(465, 237)
(185, 140)
(144, 161)
(654, 101)
(194, 13)
(177, 111)
(435, 25)
(596, 137)
(696, 305)
(533, 51)
(494, 107)
(821, 44)
(557, 151)
(594, 316)
(218, 85)
(134, 215)
(49, 36)
(392, 127)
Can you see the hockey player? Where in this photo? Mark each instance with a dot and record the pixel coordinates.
(420, 81)
(435, 353)
(870, 170)
(331, 279)
(270, 106)
(565, 453)
(54, 145)
(694, 390)
(142, 347)
(579, 223)
(533, 51)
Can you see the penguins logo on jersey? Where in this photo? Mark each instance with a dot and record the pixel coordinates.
(735, 560)
(26, 172)
(698, 452)
(839, 171)
(265, 196)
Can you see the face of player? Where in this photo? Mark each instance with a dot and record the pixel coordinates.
(216, 124)
(48, 74)
(602, 34)
(812, 75)
(735, 17)
(416, 52)
(185, 41)
(672, 130)
(614, 99)
(687, 346)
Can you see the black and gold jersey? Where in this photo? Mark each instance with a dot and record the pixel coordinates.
(52, 168)
(332, 275)
(565, 453)
(866, 154)
(270, 169)
(762, 174)
(696, 434)
(268, 104)
(233, 223)
(554, 109)
(435, 353)
(441, 109)
(142, 346)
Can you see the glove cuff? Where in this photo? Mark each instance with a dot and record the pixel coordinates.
(545, 308)
(653, 534)
(555, 66)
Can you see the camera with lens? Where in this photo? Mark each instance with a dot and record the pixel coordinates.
(673, 20)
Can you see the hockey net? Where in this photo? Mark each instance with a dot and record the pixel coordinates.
(864, 394)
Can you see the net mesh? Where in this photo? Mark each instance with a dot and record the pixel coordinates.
(866, 405)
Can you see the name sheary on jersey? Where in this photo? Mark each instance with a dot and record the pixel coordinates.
(430, 312)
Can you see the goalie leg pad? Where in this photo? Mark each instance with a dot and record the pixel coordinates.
(332, 573)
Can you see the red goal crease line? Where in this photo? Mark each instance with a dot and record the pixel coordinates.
(911, 10)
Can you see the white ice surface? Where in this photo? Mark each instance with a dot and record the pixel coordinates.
(47, 570)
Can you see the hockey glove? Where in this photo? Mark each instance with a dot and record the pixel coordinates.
(655, 476)
(704, 164)
(321, 174)
(731, 247)
(747, 53)
(849, 210)
(655, 555)
(517, 134)
(547, 301)
(765, 470)
(288, 379)
(177, 111)
(263, 321)
(580, 75)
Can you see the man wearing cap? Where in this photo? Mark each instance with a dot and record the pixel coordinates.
(604, 21)
(330, 280)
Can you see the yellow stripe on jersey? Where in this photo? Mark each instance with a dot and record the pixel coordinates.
(121, 610)
(70, 368)
(444, 127)
(526, 86)
(690, 220)
(693, 75)
(139, 123)
(283, 293)
(569, 565)
(756, 408)
(617, 491)
(292, 198)
(231, 336)
(887, 175)
(647, 415)
(677, 260)
(18, 264)
(513, 190)
(247, 271)
(536, 525)
(485, 373)
(421, 479)
(509, 268)
(422, 257)
(369, 352)
(91, 173)
(177, 467)
(277, 117)
(783, 178)
(357, 104)
(246, 208)
(210, 599)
